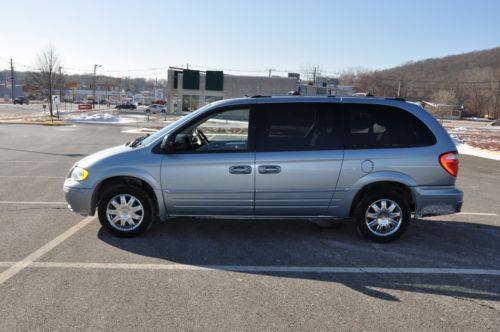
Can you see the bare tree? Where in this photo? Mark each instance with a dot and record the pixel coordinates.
(350, 75)
(444, 97)
(311, 72)
(477, 94)
(47, 76)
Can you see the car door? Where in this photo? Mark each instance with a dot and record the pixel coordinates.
(211, 170)
(298, 158)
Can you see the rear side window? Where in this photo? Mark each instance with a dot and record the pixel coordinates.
(379, 126)
(298, 127)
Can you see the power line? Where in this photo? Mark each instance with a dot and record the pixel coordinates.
(157, 71)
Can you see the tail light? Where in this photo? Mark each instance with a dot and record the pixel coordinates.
(449, 161)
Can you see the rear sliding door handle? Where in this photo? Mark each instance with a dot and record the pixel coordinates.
(240, 169)
(269, 169)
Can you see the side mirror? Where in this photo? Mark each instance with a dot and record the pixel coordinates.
(167, 144)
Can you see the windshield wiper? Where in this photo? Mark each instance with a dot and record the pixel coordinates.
(136, 141)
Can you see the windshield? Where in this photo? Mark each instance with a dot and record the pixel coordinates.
(160, 133)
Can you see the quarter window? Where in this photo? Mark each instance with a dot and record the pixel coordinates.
(379, 126)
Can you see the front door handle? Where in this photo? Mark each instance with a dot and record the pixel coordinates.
(269, 169)
(240, 169)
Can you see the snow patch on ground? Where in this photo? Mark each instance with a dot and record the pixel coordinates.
(100, 118)
(139, 131)
(95, 118)
(472, 151)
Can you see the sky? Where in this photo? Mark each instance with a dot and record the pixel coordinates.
(144, 38)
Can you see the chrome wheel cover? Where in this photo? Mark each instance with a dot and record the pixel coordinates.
(124, 212)
(384, 217)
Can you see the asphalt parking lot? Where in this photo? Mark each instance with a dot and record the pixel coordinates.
(61, 271)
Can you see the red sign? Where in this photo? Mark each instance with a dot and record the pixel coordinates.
(85, 106)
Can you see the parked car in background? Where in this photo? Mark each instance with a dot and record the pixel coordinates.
(377, 161)
(155, 108)
(126, 106)
(21, 100)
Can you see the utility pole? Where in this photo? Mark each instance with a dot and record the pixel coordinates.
(95, 81)
(12, 80)
(156, 87)
(314, 74)
(399, 88)
(497, 103)
(60, 82)
(61, 87)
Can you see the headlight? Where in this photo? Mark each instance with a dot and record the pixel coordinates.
(79, 174)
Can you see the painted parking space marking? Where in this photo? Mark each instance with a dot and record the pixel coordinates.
(255, 268)
(33, 203)
(31, 177)
(28, 260)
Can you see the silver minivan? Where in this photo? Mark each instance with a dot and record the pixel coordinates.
(378, 161)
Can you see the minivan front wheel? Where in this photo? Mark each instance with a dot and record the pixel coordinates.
(382, 216)
(125, 210)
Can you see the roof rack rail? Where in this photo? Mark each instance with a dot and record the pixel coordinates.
(395, 98)
(260, 96)
(332, 96)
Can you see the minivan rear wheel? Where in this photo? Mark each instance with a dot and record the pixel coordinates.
(125, 210)
(382, 216)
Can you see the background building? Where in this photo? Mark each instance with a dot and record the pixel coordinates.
(191, 89)
(325, 86)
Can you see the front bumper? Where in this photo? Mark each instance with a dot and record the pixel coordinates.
(434, 201)
(79, 200)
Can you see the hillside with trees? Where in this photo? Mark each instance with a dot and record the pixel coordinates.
(469, 79)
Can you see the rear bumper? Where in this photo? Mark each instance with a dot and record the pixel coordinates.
(434, 201)
(79, 200)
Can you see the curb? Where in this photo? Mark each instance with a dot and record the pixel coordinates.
(41, 123)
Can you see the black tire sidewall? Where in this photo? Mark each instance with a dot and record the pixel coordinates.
(370, 199)
(135, 191)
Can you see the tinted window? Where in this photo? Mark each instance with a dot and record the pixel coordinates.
(298, 127)
(378, 126)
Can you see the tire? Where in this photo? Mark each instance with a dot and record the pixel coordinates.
(392, 221)
(138, 210)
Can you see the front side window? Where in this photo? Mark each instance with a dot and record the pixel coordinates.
(379, 126)
(225, 131)
(298, 127)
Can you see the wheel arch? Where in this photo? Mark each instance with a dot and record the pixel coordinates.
(401, 187)
(132, 180)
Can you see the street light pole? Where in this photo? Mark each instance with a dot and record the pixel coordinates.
(93, 85)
